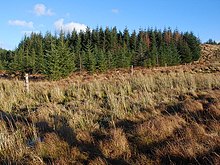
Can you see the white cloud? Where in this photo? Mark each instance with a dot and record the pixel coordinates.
(41, 9)
(21, 23)
(69, 27)
(115, 11)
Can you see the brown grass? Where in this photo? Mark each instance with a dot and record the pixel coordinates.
(190, 142)
(158, 128)
(190, 105)
(152, 117)
(52, 147)
(97, 161)
(116, 145)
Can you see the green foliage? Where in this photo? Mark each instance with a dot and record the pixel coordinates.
(211, 41)
(185, 52)
(1, 65)
(59, 60)
(90, 60)
(101, 61)
(194, 45)
(5, 58)
(100, 49)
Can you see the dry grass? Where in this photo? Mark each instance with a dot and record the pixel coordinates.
(97, 161)
(158, 128)
(190, 142)
(190, 105)
(52, 147)
(116, 145)
(113, 118)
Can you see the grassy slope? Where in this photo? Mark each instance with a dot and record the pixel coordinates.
(155, 116)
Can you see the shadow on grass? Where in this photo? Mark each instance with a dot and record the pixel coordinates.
(209, 158)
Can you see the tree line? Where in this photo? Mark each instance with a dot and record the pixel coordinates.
(97, 50)
(212, 42)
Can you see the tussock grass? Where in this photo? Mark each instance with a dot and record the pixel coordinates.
(158, 128)
(154, 118)
(116, 145)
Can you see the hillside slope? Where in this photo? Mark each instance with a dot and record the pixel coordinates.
(210, 53)
(161, 115)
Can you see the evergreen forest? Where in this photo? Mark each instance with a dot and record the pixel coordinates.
(98, 50)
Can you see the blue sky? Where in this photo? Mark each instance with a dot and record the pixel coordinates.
(23, 16)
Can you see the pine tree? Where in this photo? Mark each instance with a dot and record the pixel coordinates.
(124, 57)
(184, 51)
(133, 41)
(126, 37)
(140, 57)
(102, 38)
(153, 54)
(59, 60)
(175, 57)
(17, 63)
(78, 53)
(101, 61)
(1, 65)
(40, 61)
(194, 45)
(90, 61)
(66, 57)
(113, 41)
(163, 54)
(33, 61)
(100, 49)
(111, 60)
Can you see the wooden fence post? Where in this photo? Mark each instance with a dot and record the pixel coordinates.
(26, 83)
(132, 69)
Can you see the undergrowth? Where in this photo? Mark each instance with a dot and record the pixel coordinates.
(163, 118)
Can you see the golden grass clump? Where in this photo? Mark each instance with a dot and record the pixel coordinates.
(12, 146)
(52, 147)
(97, 161)
(214, 109)
(116, 146)
(158, 128)
(142, 159)
(189, 143)
(84, 137)
(77, 156)
(190, 105)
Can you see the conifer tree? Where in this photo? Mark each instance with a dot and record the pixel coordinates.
(163, 54)
(78, 53)
(101, 61)
(133, 41)
(17, 63)
(194, 45)
(126, 37)
(124, 57)
(175, 57)
(111, 60)
(102, 38)
(33, 61)
(1, 65)
(101, 49)
(153, 54)
(90, 61)
(184, 51)
(113, 41)
(40, 61)
(140, 57)
(59, 60)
